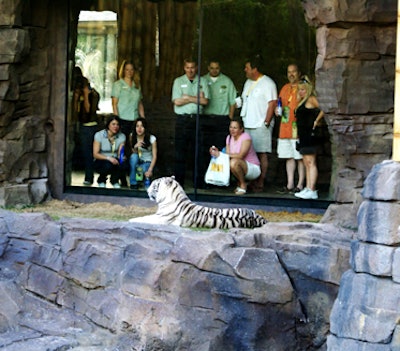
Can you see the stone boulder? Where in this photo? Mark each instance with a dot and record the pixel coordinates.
(86, 284)
(366, 314)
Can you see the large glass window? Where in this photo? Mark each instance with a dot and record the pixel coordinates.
(145, 34)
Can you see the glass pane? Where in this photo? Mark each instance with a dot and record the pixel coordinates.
(96, 58)
(96, 53)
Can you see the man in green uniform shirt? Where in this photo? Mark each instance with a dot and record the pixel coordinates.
(220, 108)
(188, 96)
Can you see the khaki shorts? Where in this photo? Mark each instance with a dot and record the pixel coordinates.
(253, 171)
(287, 149)
(262, 137)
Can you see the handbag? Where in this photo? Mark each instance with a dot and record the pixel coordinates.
(317, 134)
(218, 172)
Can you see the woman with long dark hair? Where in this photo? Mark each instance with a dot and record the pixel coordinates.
(144, 151)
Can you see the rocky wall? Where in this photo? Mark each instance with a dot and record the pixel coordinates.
(355, 68)
(366, 313)
(85, 284)
(25, 92)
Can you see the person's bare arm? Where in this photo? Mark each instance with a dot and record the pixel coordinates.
(96, 151)
(190, 99)
(86, 102)
(232, 109)
(244, 149)
(270, 111)
(99, 156)
(149, 173)
(141, 109)
(114, 102)
(312, 102)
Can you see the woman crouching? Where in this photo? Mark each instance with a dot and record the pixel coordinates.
(107, 146)
(244, 163)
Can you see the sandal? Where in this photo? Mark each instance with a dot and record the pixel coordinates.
(286, 190)
(240, 191)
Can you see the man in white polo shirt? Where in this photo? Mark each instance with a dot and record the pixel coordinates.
(259, 98)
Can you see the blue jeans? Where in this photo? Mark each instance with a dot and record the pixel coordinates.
(134, 162)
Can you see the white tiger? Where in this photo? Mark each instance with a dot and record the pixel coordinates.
(174, 207)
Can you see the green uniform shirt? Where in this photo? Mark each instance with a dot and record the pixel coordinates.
(183, 86)
(128, 99)
(222, 95)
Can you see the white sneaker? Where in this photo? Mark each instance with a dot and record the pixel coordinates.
(102, 185)
(117, 186)
(313, 194)
(308, 194)
(302, 192)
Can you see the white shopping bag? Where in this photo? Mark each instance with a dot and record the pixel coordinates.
(218, 172)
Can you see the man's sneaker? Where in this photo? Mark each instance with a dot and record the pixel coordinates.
(86, 182)
(102, 185)
(117, 186)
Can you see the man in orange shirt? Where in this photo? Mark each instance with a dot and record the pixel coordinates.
(288, 131)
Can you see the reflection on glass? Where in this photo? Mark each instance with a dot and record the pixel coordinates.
(96, 52)
(159, 58)
(96, 59)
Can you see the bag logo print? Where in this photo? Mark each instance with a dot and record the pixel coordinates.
(217, 167)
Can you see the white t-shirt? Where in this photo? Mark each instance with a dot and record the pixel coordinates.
(146, 155)
(255, 96)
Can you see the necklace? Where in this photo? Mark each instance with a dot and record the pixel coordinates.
(111, 139)
(252, 86)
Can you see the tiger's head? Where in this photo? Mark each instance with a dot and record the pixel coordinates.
(165, 189)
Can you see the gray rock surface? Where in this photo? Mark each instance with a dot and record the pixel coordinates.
(366, 313)
(83, 284)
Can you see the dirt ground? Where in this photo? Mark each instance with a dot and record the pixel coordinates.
(104, 210)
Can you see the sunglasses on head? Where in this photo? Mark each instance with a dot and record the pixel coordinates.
(304, 80)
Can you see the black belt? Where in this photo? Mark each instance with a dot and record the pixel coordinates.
(188, 115)
(217, 116)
